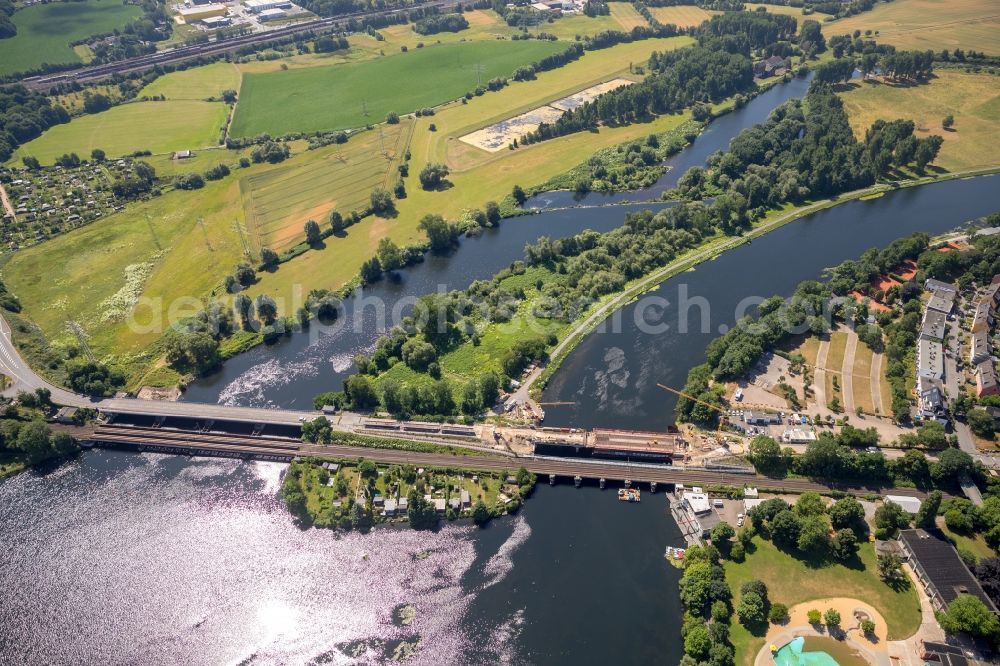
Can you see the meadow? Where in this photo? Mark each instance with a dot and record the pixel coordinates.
(793, 11)
(929, 24)
(278, 203)
(626, 15)
(159, 127)
(197, 83)
(683, 16)
(45, 31)
(973, 99)
(355, 95)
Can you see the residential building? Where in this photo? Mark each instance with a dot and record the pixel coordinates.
(942, 301)
(979, 349)
(986, 379)
(769, 67)
(932, 403)
(992, 292)
(939, 568)
(933, 325)
(937, 285)
(930, 359)
(983, 317)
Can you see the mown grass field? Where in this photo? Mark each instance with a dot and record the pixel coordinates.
(973, 99)
(901, 609)
(862, 379)
(929, 24)
(278, 203)
(45, 31)
(159, 127)
(791, 11)
(683, 16)
(343, 96)
(626, 15)
(196, 83)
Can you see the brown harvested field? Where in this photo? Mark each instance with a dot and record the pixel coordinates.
(973, 100)
(278, 203)
(626, 15)
(929, 24)
(862, 379)
(683, 16)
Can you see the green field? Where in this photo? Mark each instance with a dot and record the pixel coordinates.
(278, 203)
(342, 96)
(45, 31)
(928, 24)
(195, 83)
(901, 609)
(159, 127)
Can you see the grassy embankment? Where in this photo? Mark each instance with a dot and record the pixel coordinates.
(928, 24)
(67, 278)
(44, 31)
(792, 581)
(973, 100)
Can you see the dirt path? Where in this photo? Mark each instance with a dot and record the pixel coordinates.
(6, 201)
(877, 360)
(847, 371)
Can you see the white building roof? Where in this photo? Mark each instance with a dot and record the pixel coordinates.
(698, 502)
(930, 359)
(908, 504)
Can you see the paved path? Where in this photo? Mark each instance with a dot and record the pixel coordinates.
(819, 380)
(26, 379)
(847, 371)
(876, 383)
(6, 201)
(906, 652)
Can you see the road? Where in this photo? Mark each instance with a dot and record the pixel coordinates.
(5, 200)
(182, 53)
(26, 379)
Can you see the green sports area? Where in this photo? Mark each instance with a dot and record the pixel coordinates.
(355, 95)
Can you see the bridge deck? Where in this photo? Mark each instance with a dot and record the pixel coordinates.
(205, 411)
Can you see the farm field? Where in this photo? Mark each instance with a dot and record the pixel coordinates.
(478, 176)
(197, 83)
(326, 98)
(973, 99)
(626, 15)
(792, 11)
(929, 24)
(159, 127)
(278, 203)
(44, 32)
(815, 580)
(683, 16)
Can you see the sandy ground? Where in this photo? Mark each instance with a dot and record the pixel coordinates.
(874, 651)
(498, 136)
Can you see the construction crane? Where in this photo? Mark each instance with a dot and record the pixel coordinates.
(722, 412)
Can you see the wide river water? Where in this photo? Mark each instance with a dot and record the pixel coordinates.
(123, 558)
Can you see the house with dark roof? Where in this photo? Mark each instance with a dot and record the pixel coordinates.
(769, 67)
(939, 568)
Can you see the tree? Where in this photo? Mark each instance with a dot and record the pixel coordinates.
(244, 308)
(890, 517)
(697, 642)
(810, 504)
(432, 176)
(890, 568)
(778, 613)
(785, 529)
(337, 222)
(765, 454)
(98, 155)
(33, 440)
(980, 422)
(268, 257)
(381, 201)
(722, 533)
(867, 627)
(968, 614)
(519, 196)
(751, 610)
(927, 514)
(417, 354)
(951, 465)
(392, 118)
(948, 122)
(390, 257)
(359, 392)
(832, 617)
(493, 213)
(814, 537)
(267, 309)
(814, 616)
(847, 512)
(440, 234)
(844, 545)
(313, 233)
(480, 513)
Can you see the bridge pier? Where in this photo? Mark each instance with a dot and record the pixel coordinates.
(577, 480)
(552, 479)
(652, 486)
(602, 483)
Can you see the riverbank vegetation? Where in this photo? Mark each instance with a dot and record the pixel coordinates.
(361, 494)
(25, 438)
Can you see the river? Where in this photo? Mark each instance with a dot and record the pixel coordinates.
(123, 558)
(290, 372)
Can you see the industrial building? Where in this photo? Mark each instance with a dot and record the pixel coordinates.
(215, 22)
(201, 12)
(271, 14)
(259, 6)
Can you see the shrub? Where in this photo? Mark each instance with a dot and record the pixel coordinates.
(778, 613)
